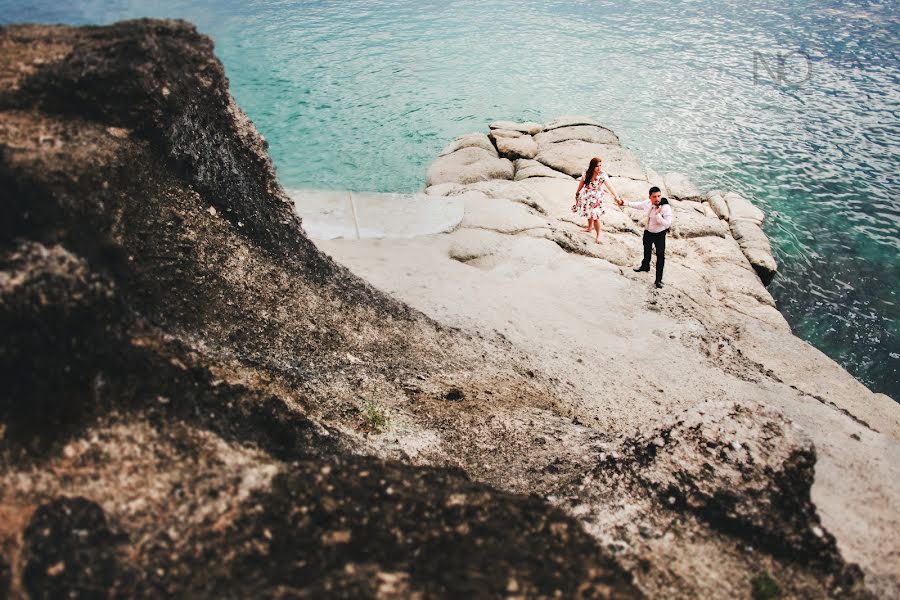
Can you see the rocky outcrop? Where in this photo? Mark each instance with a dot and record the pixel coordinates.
(177, 361)
(198, 402)
(468, 165)
(472, 140)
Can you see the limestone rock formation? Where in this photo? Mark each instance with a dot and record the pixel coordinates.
(572, 156)
(199, 402)
(740, 209)
(680, 187)
(593, 134)
(526, 168)
(177, 362)
(528, 127)
(517, 147)
(471, 140)
(468, 165)
(718, 205)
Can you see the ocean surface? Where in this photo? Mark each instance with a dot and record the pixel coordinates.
(795, 104)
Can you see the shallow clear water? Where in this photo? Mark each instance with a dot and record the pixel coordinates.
(362, 95)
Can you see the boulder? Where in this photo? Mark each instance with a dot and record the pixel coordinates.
(469, 140)
(529, 127)
(572, 157)
(500, 133)
(468, 165)
(755, 246)
(526, 168)
(739, 208)
(632, 190)
(570, 121)
(681, 188)
(743, 468)
(586, 133)
(553, 195)
(689, 223)
(517, 147)
(718, 205)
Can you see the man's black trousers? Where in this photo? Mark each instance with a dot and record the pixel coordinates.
(658, 240)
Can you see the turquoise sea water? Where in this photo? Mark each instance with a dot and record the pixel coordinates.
(362, 95)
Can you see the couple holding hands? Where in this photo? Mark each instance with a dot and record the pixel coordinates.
(589, 204)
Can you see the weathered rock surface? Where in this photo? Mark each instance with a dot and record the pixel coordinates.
(593, 134)
(517, 147)
(500, 133)
(756, 247)
(740, 209)
(718, 205)
(681, 188)
(526, 168)
(572, 157)
(528, 127)
(178, 359)
(468, 165)
(198, 402)
(570, 121)
(470, 140)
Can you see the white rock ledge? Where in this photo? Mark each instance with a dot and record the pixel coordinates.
(330, 214)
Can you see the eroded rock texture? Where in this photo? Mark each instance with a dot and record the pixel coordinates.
(189, 385)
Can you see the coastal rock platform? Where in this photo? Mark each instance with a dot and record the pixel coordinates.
(198, 401)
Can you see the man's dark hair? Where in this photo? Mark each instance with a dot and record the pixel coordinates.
(653, 190)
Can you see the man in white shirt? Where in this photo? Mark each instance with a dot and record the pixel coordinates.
(659, 219)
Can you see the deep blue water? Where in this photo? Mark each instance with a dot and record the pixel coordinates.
(362, 95)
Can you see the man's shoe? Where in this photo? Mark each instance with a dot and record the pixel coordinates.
(641, 270)
(659, 284)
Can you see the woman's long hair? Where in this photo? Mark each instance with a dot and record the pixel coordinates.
(592, 168)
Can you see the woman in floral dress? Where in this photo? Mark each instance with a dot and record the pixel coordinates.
(589, 196)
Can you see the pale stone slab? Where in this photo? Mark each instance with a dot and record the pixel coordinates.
(740, 208)
(555, 196)
(469, 140)
(755, 246)
(529, 127)
(586, 133)
(570, 121)
(401, 216)
(526, 168)
(468, 165)
(326, 214)
(500, 133)
(517, 147)
(718, 205)
(681, 188)
(499, 214)
(572, 157)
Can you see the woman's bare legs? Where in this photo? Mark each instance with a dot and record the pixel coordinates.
(590, 225)
(597, 229)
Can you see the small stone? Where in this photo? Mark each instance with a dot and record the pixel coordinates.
(659, 442)
(57, 569)
(211, 210)
(455, 394)
(818, 532)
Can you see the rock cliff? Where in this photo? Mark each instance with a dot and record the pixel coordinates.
(197, 401)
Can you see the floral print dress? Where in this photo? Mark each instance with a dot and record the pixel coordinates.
(590, 198)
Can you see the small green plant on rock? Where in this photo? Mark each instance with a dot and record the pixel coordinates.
(765, 588)
(373, 418)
